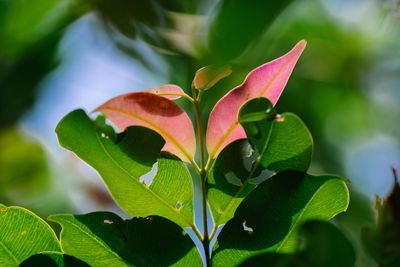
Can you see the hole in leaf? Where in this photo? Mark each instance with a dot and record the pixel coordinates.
(264, 175)
(103, 135)
(247, 229)
(106, 221)
(147, 178)
(233, 179)
(178, 205)
(250, 157)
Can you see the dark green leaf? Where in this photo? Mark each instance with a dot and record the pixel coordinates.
(278, 143)
(23, 234)
(123, 163)
(324, 245)
(53, 259)
(268, 219)
(104, 239)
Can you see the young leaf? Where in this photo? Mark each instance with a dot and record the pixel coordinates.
(325, 245)
(169, 91)
(268, 219)
(122, 164)
(208, 76)
(267, 81)
(23, 234)
(283, 143)
(157, 113)
(104, 239)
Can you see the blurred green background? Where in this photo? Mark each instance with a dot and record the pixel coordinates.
(59, 55)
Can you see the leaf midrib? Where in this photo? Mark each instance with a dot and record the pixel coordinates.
(301, 215)
(235, 124)
(139, 183)
(234, 198)
(92, 237)
(167, 135)
(10, 253)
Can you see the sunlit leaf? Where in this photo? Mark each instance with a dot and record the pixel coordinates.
(207, 76)
(169, 91)
(23, 234)
(157, 113)
(268, 219)
(267, 81)
(324, 245)
(122, 164)
(104, 239)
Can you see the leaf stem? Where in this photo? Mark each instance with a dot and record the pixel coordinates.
(203, 176)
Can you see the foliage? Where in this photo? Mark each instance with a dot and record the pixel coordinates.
(254, 181)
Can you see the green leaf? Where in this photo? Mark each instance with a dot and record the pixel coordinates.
(324, 245)
(283, 141)
(23, 234)
(53, 259)
(278, 143)
(268, 219)
(104, 239)
(123, 163)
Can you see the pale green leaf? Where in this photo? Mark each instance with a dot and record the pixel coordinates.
(121, 164)
(23, 234)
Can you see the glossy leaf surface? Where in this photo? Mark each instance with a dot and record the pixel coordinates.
(208, 76)
(281, 143)
(169, 91)
(23, 234)
(157, 113)
(324, 245)
(268, 219)
(104, 239)
(121, 164)
(268, 81)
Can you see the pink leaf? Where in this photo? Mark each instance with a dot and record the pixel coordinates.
(157, 113)
(268, 80)
(169, 91)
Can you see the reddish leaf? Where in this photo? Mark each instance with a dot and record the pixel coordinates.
(268, 80)
(169, 91)
(157, 113)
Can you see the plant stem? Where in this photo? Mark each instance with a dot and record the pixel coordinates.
(203, 176)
